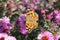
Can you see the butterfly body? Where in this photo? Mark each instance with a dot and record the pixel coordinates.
(31, 20)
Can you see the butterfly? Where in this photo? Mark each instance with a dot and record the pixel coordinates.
(31, 20)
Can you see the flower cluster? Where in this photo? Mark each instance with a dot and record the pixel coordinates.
(5, 25)
(46, 35)
(25, 19)
(27, 22)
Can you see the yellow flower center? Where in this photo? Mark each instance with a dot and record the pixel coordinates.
(45, 38)
(2, 38)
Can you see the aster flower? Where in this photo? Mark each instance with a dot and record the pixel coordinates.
(10, 5)
(25, 1)
(5, 25)
(42, 11)
(57, 18)
(21, 6)
(36, 1)
(27, 22)
(57, 37)
(45, 36)
(55, 11)
(48, 16)
(6, 19)
(21, 23)
(10, 38)
(4, 36)
(32, 5)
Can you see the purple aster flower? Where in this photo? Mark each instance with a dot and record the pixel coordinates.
(5, 25)
(21, 23)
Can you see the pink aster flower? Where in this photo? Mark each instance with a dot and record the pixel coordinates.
(4, 36)
(45, 36)
(57, 37)
(42, 11)
(48, 16)
(6, 19)
(21, 6)
(10, 5)
(33, 6)
(57, 18)
(25, 1)
(10, 38)
(55, 11)
(36, 1)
